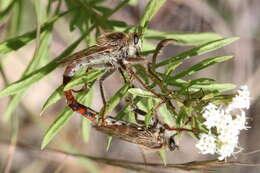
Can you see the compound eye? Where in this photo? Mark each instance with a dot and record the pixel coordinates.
(172, 145)
(136, 39)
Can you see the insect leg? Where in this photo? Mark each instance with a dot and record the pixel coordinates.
(77, 107)
(133, 60)
(101, 80)
(137, 112)
(179, 129)
(172, 144)
(122, 74)
(159, 47)
(71, 101)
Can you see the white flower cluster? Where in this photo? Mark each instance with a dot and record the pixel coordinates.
(224, 124)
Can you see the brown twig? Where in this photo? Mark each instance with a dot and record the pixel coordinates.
(131, 165)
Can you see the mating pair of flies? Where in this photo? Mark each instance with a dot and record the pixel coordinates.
(115, 51)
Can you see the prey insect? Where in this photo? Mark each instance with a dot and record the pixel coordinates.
(155, 136)
(113, 51)
(152, 137)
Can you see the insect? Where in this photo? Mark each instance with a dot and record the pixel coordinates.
(153, 137)
(113, 51)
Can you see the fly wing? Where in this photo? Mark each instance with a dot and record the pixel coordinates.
(133, 134)
(86, 53)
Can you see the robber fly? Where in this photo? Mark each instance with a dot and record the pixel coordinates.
(153, 137)
(113, 51)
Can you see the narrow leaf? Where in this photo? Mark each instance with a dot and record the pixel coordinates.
(205, 48)
(150, 10)
(5, 11)
(167, 116)
(171, 67)
(209, 87)
(12, 104)
(86, 123)
(201, 65)
(35, 76)
(55, 96)
(18, 42)
(203, 81)
(36, 62)
(109, 141)
(115, 99)
(56, 126)
(148, 117)
(163, 156)
(182, 38)
(83, 79)
(59, 123)
(182, 116)
(140, 92)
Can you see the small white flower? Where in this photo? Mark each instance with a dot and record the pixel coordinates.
(212, 114)
(241, 100)
(225, 151)
(240, 121)
(209, 108)
(206, 144)
(228, 136)
(227, 121)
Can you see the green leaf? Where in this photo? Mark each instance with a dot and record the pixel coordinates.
(85, 128)
(56, 126)
(149, 11)
(148, 117)
(36, 62)
(140, 92)
(55, 96)
(15, 21)
(171, 67)
(207, 47)
(163, 156)
(83, 79)
(11, 107)
(86, 123)
(182, 38)
(35, 76)
(116, 23)
(167, 116)
(59, 123)
(147, 48)
(182, 116)
(20, 41)
(201, 65)
(5, 11)
(109, 141)
(126, 109)
(200, 81)
(209, 87)
(115, 99)
(119, 6)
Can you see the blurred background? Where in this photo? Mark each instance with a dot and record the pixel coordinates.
(227, 18)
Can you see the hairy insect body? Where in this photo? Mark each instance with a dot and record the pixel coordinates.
(112, 51)
(149, 138)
